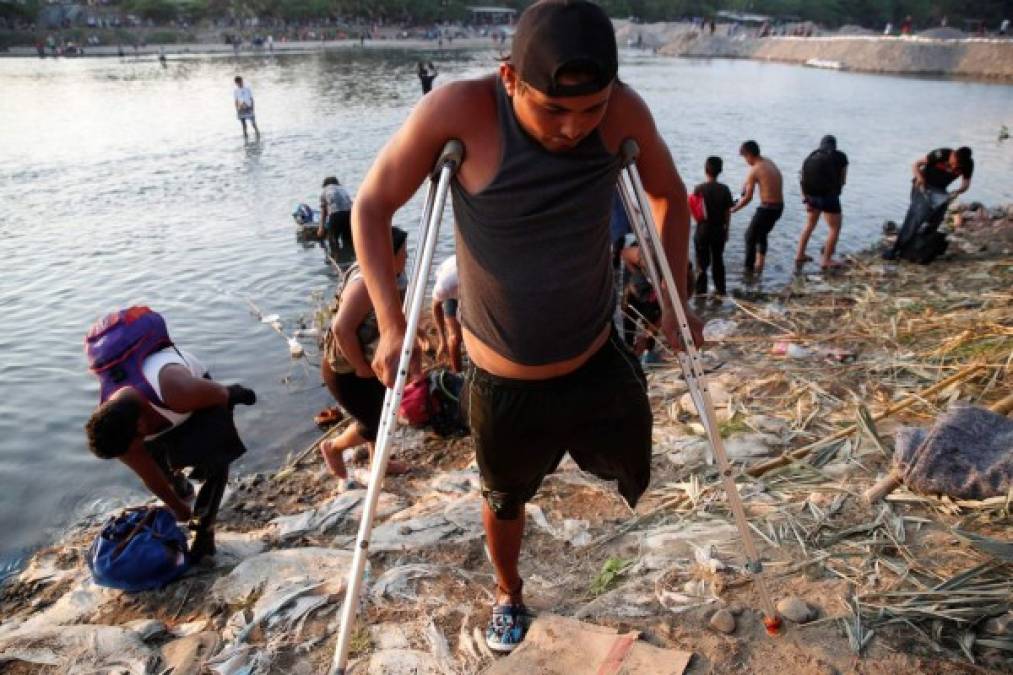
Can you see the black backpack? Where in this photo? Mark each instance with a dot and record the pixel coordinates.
(821, 176)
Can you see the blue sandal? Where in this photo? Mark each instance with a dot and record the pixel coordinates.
(507, 627)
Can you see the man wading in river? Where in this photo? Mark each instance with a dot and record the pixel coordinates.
(531, 203)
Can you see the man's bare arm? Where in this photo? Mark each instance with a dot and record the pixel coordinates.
(402, 165)
(352, 312)
(142, 464)
(747, 191)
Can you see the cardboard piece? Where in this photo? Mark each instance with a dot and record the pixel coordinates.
(556, 645)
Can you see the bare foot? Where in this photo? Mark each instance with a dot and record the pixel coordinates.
(332, 457)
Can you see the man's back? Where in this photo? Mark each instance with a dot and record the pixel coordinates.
(769, 177)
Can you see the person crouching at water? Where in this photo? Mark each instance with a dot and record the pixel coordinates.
(335, 216)
(445, 306)
(824, 173)
(933, 175)
(764, 172)
(190, 426)
(349, 345)
(243, 98)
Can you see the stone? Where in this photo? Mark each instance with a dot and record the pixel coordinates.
(740, 447)
(723, 621)
(187, 655)
(795, 609)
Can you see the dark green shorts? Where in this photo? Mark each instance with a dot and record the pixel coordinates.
(599, 414)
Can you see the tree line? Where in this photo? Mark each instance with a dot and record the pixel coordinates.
(869, 13)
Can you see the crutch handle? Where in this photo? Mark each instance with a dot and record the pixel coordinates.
(451, 156)
(629, 151)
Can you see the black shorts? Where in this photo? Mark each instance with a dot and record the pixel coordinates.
(207, 439)
(362, 398)
(599, 414)
(830, 204)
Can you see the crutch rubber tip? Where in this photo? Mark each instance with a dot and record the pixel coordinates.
(628, 151)
(772, 624)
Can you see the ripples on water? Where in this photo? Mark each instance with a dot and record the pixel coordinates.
(122, 182)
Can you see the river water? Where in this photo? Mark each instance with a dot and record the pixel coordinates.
(123, 182)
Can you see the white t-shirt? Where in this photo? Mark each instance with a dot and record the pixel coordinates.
(153, 367)
(445, 287)
(243, 96)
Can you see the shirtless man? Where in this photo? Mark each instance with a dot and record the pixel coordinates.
(531, 203)
(766, 173)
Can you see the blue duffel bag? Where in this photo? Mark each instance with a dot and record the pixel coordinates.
(139, 550)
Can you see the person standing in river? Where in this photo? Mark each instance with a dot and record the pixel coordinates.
(824, 173)
(427, 73)
(532, 200)
(762, 172)
(712, 232)
(242, 96)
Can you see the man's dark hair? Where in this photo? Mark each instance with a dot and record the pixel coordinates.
(964, 160)
(112, 428)
(750, 148)
(713, 166)
(331, 180)
(238, 80)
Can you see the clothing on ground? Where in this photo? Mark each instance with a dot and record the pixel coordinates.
(535, 243)
(763, 222)
(599, 413)
(966, 454)
(152, 369)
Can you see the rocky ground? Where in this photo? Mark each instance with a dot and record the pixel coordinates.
(918, 583)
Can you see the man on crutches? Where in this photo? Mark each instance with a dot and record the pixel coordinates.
(532, 200)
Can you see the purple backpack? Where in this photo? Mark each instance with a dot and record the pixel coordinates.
(118, 343)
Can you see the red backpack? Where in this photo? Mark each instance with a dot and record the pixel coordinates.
(697, 208)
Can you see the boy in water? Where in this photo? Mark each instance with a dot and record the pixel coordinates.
(712, 232)
(243, 99)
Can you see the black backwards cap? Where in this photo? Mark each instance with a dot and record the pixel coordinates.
(553, 35)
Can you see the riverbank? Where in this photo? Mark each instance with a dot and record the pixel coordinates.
(979, 58)
(288, 47)
(825, 358)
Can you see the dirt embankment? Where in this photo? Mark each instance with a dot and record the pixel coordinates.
(978, 58)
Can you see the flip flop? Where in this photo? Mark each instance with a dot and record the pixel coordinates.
(803, 260)
(328, 417)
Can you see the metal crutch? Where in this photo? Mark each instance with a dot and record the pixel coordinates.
(429, 227)
(632, 191)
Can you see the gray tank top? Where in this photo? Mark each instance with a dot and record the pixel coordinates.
(533, 248)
